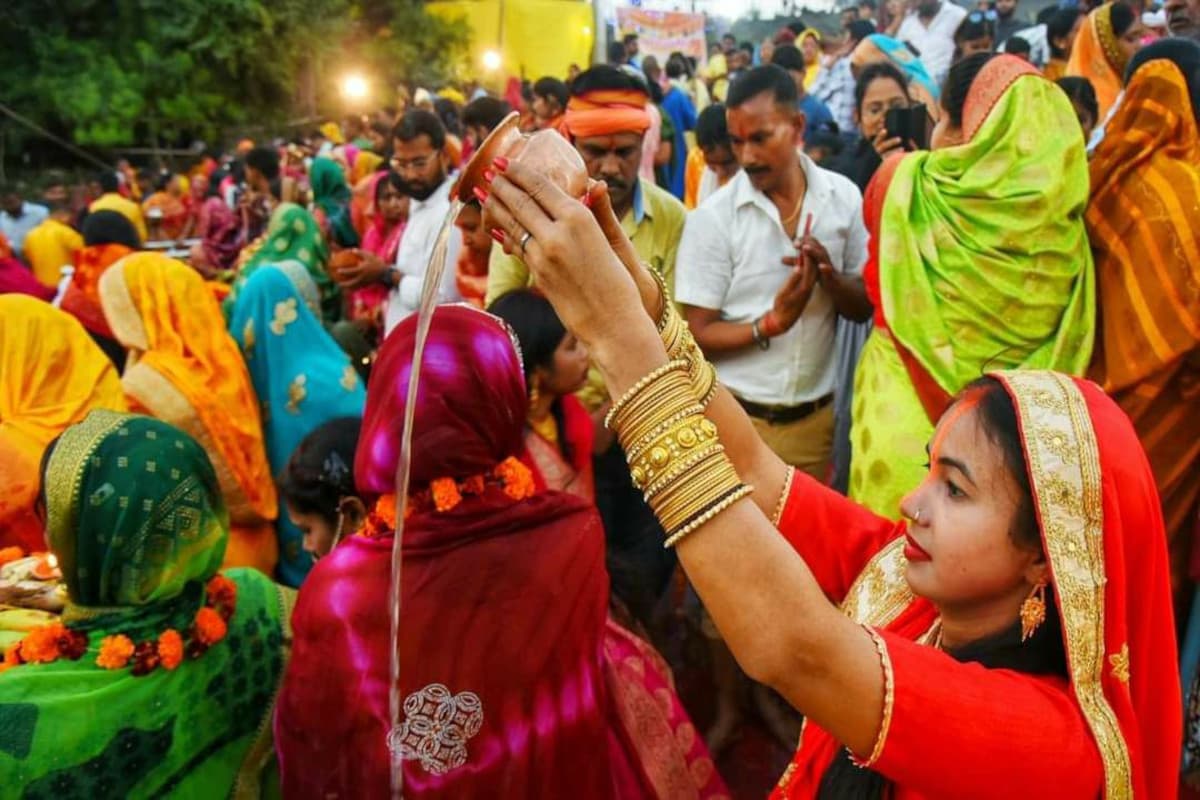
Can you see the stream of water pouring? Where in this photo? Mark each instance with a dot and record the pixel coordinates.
(429, 300)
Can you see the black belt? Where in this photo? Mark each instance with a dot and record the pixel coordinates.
(782, 415)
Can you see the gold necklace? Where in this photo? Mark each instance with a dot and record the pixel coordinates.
(795, 212)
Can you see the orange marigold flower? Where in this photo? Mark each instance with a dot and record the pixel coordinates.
(221, 591)
(170, 648)
(115, 652)
(8, 554)
(40, 645)
(518, 480)
(385, 508)
(474, 485)
(210, 628)
(445, 493)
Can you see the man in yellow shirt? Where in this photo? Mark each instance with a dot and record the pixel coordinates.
(606, 120)
(111, 200)
(52, 245)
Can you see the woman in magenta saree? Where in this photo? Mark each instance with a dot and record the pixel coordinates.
(505, 688)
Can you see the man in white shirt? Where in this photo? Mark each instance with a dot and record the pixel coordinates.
(929, 26)
(18, 218)
(419, 159)
(767, 264)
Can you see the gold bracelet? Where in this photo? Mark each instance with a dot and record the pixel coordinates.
(694, 490)
(677, 338)
(656, 452)
(709, 514)
(889, 700)
(669, 434)
(665, 397)
(638, 387)
(655, 483)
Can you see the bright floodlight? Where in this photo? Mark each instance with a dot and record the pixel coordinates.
(354, 87)
(491, 60)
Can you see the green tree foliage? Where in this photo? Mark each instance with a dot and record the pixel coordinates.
(119, 72)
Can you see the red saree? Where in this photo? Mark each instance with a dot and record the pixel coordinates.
(956, 729)
(505, 688)
(551, 470)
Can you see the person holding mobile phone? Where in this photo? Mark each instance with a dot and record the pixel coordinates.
(881, 89)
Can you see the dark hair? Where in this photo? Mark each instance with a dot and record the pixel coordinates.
(1080, 91)
(824, 135)
(320, 471)
(540, 332)
(552, 88)
(867, 4)
(771, 79)
(958, 84)
(629, 37)
(485, 112)
(382, 128)
(747, 48)
(711, 129)
(1017, 45)
(796, 26)
(616, 53)
(109, 227)
(998, 419)
(880, 70)
(1060, 24)
(1123, 17)
(162, 181)
(108, 180)
(860, 29)
(606, 76)
(447, 111)
(788, 56)
(419, 122)
(677, 66)
(391, 178)
(215, 180)
(265, 160)
(974, 26)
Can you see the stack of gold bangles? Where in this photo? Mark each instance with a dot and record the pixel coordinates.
(674, 454)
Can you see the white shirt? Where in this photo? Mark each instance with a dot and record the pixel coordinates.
(730, 259)
(425, 219)
(936, 42)
(15, 229)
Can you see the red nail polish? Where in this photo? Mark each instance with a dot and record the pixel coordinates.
(489, 175)
(501, 163)
(587, 199)
(497, 234)
(480, 194)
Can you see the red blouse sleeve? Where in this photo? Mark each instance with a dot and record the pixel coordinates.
(962, 730)
(835, 536)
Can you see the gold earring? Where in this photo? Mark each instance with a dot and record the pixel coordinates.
(533, 393)
(1033, 611)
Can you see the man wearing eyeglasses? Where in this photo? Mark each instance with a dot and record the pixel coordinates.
(420, 162)
(929, 27)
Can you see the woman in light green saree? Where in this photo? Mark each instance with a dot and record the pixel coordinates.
(979, 261)
(135, 516)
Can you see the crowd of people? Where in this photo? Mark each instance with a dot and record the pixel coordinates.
(892, 333)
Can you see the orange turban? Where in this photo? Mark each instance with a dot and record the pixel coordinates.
(605, 112)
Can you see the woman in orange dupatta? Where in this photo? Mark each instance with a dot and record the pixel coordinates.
(107, 238)
(1144, 225)
(185, 369)
(53, 376)
(1108, 39)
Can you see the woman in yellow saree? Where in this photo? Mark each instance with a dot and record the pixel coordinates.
(979, 260)
(1106, 41)
(185, 369)
(53, 375)
(1144, 224)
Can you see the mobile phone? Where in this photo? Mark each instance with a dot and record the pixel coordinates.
(910, 124)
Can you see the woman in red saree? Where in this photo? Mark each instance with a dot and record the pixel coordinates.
(559, 433)
(1013, 637)
(504, 599)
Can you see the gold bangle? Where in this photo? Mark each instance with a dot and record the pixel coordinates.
(662, 296)
(638, 387)
(693, 489)
(677, 338)
(644, 441)
(669, 397)
(657, 452)
(731, 497)
(889, 699)
(783, 496)
(671, 471)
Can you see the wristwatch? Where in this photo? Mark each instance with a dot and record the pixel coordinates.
(391, 278)
(763, 342)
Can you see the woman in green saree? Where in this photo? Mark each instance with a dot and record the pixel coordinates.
(979, 261)
(294, 244)
(161, 679)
